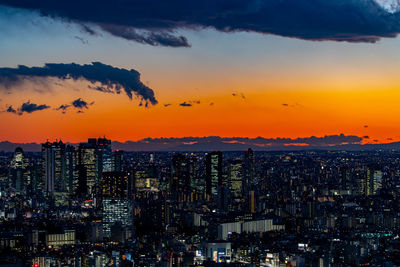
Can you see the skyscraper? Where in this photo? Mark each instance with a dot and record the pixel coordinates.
(81, 187)
(71, 171)
(213, 172)
(197, 183)
(104, 155)
(180, 175)
(249, 171)
(53, 160)
(235, 174)
(118, 158)
(87, 161)
(116, 206)
(19, 172)
(96, 157)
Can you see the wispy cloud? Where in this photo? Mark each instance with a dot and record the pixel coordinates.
(82, 40)
(81, 104)
(63, 108)
(154, 38)
(27, 107)
(286, 105)
(78, 104)
(238, 94)
(185, 104)
(190, 103)
(10, 109)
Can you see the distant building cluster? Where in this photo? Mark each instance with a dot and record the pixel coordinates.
(90, 206)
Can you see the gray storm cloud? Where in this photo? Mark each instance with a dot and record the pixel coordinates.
(155, 22)
(111, 79)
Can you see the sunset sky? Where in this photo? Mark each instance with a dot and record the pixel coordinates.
(237, 82)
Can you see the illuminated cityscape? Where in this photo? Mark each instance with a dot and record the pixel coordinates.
(305, 208)
(163, 133)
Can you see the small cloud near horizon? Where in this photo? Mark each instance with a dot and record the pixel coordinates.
(27, 107)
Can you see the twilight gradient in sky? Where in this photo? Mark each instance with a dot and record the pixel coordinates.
(207, 80)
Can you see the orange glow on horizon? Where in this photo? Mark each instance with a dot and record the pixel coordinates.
(270, 114)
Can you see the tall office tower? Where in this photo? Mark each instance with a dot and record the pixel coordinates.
(53, 160)
(19, 172)
(80, 185)
(116, 206)
(249, 171)
(235, 175)
(118, 159)
(37, 181)
(213, 172)
(196, 183)
(71, 171)
(180, 175)
(87, 161)
(104, 156)
(373, 181)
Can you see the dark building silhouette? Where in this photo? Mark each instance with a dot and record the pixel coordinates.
(118, 159)
(180, 175)
(71, 171)
(81, 186)
(250, 180)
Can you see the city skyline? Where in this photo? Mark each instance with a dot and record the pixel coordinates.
(215, 143)
(190, 133)
(206, 81)
(90, 205)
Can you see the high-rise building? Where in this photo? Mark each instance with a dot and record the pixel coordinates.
(87, 161)
(81, 187)
(116, 206)
(71, 171)
(37, 180)
(197, 183)
(180, 175)
(53, 160)
(104, 156)
(235, 174)
(20, 177)
(213, 172)
(249, 170)
(118, 159)
(116, 211)
(95, 157)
